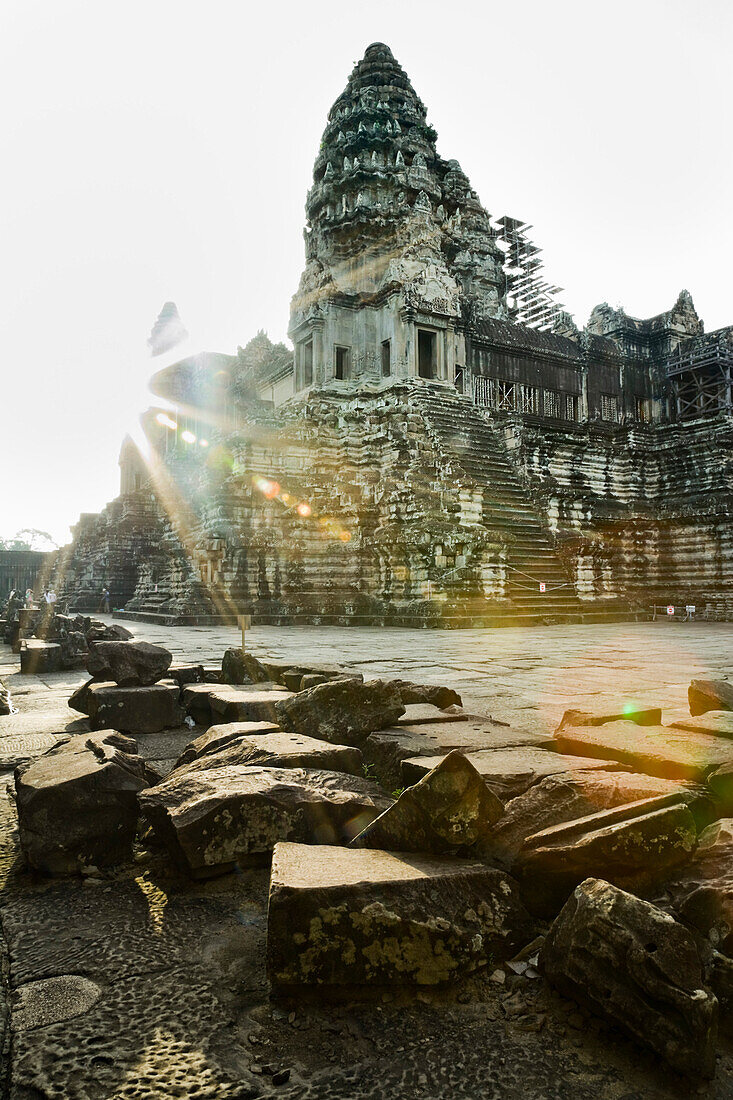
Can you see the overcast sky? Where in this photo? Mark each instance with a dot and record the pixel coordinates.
(158, 150)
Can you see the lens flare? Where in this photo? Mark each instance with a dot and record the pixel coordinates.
(304, 510)
(188, 437)
(203, 442)
(345, 536)
(165, 420)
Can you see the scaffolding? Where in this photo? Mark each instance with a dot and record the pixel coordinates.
(530, 299)
(700, 374)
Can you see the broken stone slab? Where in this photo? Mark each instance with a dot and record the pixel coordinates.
(656, 750)
(650, 716)
(451, 808)
(436, 694)
(213, 818)
(128, 664)
(704, 695)
(79, 699)
(567, 797)
(716, 723)
(276, 669)
(282, 750)
(134, 709)
(342, 711)
(633, 964)
(341, 917)
(246, 704)
(702, 896)
(510, 772)
(216, 737)
(186, 674)
(386, 749)
(77, 804)
(196, 699)
(417, 714)
(38, 657)
(640, 842)
(720, 783)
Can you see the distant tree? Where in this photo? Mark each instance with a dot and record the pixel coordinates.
(29, 538)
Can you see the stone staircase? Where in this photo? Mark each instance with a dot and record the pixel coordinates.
(471, 444)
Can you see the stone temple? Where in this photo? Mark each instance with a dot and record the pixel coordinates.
(442, 445)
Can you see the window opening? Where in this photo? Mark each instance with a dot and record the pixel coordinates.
(386, 358)
(427, 365)
(342, 362)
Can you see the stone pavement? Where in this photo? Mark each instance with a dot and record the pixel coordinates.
(527, 676)
(140, 984)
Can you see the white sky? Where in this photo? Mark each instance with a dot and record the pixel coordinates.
(162, 149)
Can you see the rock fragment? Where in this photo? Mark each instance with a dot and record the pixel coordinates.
(342, 711)
(451, 808)
(655, 750)
(634, 965)
(213, 818)
(279, 750)
(704, 695)
(128, 664)
(77, 804)
(133, 709)
(358, 917)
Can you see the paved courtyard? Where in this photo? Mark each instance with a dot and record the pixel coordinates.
(526, 676)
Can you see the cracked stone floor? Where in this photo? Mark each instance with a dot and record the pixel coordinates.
(141, 984)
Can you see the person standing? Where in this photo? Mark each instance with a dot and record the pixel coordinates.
(50, 597)
(106, 605)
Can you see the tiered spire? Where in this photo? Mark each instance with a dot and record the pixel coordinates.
(380, 187)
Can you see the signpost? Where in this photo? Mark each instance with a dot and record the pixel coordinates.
(542, 586)
(670, 609)
(244, 622)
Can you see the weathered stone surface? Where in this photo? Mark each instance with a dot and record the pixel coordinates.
(651, 716)
(79, 699)
(345, 917)
(37, 657)
(511, 771)
(704, 695)
(567, 797)
(343, 711)
(721, 784)
(133, 709)
(246, 704)
(703, 894)
(211, 819)
(451, 808)
(216, 737)
(418, 714)
(77, 804)
(196, 699)
(186, 674)
(642, 841)
(232, 667)
(656, 750)
(280, 750)
(386, 749)
(717, 723)
(634, 965)
(436, 694)
(129, 664)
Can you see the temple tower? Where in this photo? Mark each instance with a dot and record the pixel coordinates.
(399, 249)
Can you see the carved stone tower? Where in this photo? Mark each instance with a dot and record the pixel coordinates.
(399, 250)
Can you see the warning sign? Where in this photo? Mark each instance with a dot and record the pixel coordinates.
(670, 609)
(542, 586)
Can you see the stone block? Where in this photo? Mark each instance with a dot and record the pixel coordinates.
(38, 657)
(343, 917)
(212, 819)
(632, 964)
(216, 737)
(232, 667)
(650, 716)
(656, 750)
(279, 750)
(435, 694)
(511, 771)
(186, 674)
(641, 842)
(567, 797)
(77, 804)
(451, 808)
(716, 723)
(128, 663)
(702, 895)
(244, 704)
(342, 711)
(196, 699)
(134, 709)
(704, 695)
(418, 714)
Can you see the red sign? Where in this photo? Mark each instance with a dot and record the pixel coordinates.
(670, 609)
(542, 586)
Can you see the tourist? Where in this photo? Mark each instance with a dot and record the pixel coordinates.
(50, 597)
(29, 599)
(105, 605)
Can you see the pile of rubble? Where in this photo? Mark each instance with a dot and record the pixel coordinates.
(601, 855)
(50, 642)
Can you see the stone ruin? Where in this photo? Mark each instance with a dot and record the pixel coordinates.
(443, 445)
(413, 844)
